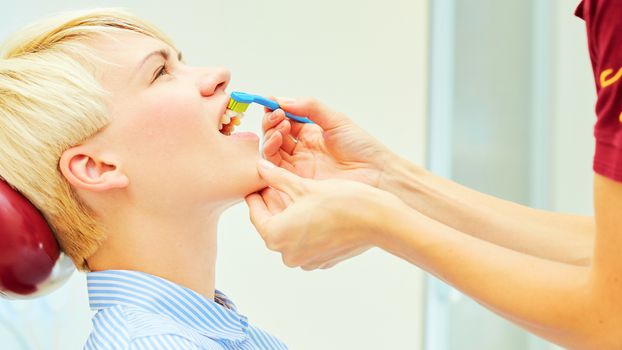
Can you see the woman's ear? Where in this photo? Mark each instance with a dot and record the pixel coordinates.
(86, 171)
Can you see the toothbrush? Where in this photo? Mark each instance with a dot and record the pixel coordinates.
(240, 101)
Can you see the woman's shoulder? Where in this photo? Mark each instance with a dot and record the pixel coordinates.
(110, 330)
(128, 327)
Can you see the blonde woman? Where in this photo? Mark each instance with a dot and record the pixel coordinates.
(117, 142)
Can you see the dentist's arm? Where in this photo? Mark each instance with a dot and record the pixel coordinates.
(556, 236)
(337, 148)
(577, 307)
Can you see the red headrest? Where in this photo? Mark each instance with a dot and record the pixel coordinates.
(31, 262)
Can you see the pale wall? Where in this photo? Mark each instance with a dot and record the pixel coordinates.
(365, 58)
(573, 113)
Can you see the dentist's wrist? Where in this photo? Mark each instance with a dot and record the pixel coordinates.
(400, 177)
(387, 223)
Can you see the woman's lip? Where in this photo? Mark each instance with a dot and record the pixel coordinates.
(245, 135)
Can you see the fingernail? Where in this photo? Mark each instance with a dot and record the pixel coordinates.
(266, 164)
(286, 100)
(282, 125)
(273, 117)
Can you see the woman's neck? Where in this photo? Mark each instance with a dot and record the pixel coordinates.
(180, 249)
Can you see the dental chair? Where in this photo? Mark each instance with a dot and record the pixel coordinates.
(31, 263)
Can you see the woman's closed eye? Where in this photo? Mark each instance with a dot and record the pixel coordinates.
(162, 70)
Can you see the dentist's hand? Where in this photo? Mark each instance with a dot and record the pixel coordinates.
(334, 147)
(325, 222)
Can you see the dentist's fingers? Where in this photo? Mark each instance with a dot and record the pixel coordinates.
(310, 108)
(281, 179)
(309, 267)
(289, 140)
(271, 147)
(259, 212)
(270, 97)
(263, 220)
(273, 200)
(274, 142)
(325, 266)
(323, 260)
(286, 161)
(271, 119)
(283, 127)
(330, 264)
(332, 258)
(283, 160)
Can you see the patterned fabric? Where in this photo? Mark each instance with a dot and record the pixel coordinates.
(604, 36)
(137, 311)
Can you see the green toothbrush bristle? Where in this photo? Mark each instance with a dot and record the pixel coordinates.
(238, 106)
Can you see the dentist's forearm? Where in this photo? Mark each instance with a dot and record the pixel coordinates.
(560, 237)
(554, 300)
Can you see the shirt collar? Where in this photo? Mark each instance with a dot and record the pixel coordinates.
(154, 294)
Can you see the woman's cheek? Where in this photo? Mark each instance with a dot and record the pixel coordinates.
(171, 118)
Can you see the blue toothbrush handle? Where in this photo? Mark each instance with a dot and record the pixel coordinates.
(274, 106)
(299, 119)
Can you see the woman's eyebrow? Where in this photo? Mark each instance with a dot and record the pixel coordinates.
(164, 53)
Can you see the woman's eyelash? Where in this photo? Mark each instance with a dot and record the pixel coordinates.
(162, 69)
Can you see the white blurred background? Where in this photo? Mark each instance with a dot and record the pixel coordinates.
(364, 58)
(494, 94)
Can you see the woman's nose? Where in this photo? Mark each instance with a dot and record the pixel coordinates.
(213, 80)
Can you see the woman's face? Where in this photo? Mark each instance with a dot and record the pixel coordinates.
(164, 127)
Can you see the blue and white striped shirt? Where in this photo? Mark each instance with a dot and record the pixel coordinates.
(139, 311)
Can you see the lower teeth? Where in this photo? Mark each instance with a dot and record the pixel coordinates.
(234, 120)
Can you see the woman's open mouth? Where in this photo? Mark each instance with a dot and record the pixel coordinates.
(229, 121)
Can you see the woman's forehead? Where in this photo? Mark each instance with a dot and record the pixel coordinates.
(122, 53)
(127, 46)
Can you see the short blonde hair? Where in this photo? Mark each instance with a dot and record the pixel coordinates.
(50, 100)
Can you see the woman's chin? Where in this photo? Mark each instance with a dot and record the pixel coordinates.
(256, 186)
(244, 189)
(242, 180)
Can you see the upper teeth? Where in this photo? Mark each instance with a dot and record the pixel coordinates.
(226, 118)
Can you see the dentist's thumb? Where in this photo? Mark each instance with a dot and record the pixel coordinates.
(281, 179)
(314, 110)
